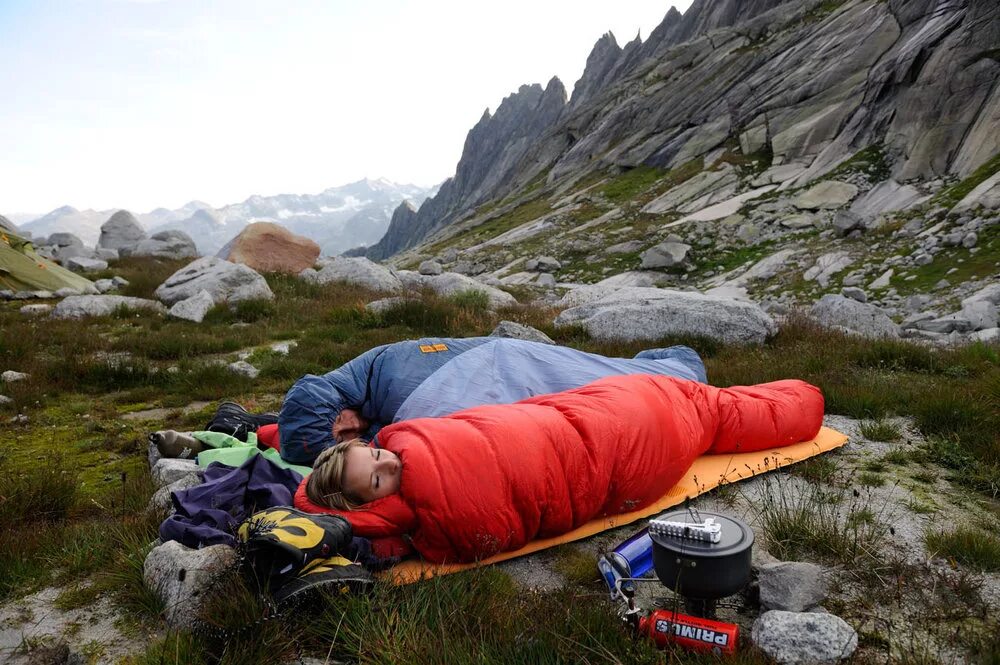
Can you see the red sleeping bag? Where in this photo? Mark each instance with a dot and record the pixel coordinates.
(492, 478)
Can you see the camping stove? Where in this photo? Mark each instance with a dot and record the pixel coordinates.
(702, 558)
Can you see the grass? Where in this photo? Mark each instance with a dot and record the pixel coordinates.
(872, 160)
(880, 430)
(968, 545)
(950, 196)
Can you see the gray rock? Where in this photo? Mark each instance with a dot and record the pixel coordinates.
(519, 331)
(122, 231)
(385, 304)
(854, 293)
(78, 307)
(882, 281)
(449, 284)
(161, 501)
(226, 282)
(703, 190)
(450, 255)
(792, 586)
(119, 281)
(923, 259)
(835, 311)
(182, 577)
(826, 195)
(152, 454)
(969, 240)
(106, 254)
(827, 266)
(665, 255)
(244, 368)
(804, 638)
(168, 470)
(636, 313)
(7, 294)
(10, 376)
(624, 247)
(35, 310)
(887, 196)
(982, 314)
(547, 264)
(67, 291)
(358, 271)
(748, 232)
(845, 221)
(430, 268)
(986, 336)
(105, 285)
(799, 221)
(194, 308)
(172, 244)
(945, 325)
(62, 239)
(545, 279)
(84, 264)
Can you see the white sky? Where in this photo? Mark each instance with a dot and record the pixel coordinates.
(147, 103)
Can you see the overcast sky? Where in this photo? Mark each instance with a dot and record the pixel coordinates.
(145, 103)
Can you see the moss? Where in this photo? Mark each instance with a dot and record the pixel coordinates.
(967, 266)
(871, 161)
(526, 212)
(631, 183)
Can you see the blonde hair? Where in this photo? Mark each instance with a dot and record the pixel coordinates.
(325, 486)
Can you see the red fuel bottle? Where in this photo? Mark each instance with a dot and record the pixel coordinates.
(690, 632)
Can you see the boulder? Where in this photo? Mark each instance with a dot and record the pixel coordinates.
(84, 264)
(35, 310)
(986, 336)
(982, 314)
(800, 221)
(638, 313)
(105, 254)
(986, 194)
(826, 195)
(194, 308)
(181, 577)
(665, 255)
(882, 281)
(835, 311)
(269, 247)
(226, 282)
(854, 293)
(103, 285)
(702, 190)
(62, 239)
(244, 368)
(625, 247)
(386, 304)
(887, 196)
(827, 266)
(793, 586)
(449, 284)
(122, 231)
(989, 293)
(354, 270)
(78, 307)
(944, 325)
(518, 331)
(801, 638)
(165, 245)
(161, 502)
(546, 264)
(845, 221)
(66, 291)
(430, 268)
(168, 470)
(10, 376)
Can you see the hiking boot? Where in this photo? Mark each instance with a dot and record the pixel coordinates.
(180, 445)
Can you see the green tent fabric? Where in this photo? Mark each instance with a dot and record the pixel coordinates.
(231, 451)
(21, 269)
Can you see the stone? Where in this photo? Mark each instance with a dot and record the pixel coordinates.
(665, 255)
(270, 247)
(854, 293)
(969, 240)
(519, 331)
(845, 221)
(358, 271)
(78, 307)
(637, 313)
(923, 259)
(799, 221)
(804, 638)
(104, 285)
(944, 325)
(172, 244)
(792, 586)
(161, 501)
(84, 264)
(449, 284)
(450, 255)
(704, 189)
(119, 281)
(182, 576)
(386, 304)
(244, 368)
(67, 291)
(430, 268)
(625, 247)
(827, 266)
(882, 281)
(106, 254)
(826, 195)
(168, 470)
(764, 269)
(194, 308)
(835, 311)
(122, 231)
(4, 400)
(546, 280)
(226, 282)
(10, 376)
(63, 239)
(981, 314)
(748, 232)
(986, 194)
(547, 264)
(35, 310)
(887, 196)
(986, 336)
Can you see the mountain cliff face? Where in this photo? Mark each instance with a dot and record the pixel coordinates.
(806, 82)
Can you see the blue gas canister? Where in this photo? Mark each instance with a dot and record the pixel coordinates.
(633, 558)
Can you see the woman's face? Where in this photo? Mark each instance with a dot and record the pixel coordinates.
(371, 473)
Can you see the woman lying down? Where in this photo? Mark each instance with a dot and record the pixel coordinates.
(490, 479)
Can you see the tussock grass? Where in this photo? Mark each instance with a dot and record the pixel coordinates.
(880, 430)
(577, 566)
(968, 545)
(41, 492)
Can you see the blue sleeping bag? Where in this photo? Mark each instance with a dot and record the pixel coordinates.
(435, 377)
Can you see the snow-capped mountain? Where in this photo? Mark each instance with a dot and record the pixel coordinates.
(337, 218)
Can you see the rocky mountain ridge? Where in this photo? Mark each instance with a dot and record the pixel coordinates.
(803, 82)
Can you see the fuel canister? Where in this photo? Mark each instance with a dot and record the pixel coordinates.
(690, 632)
